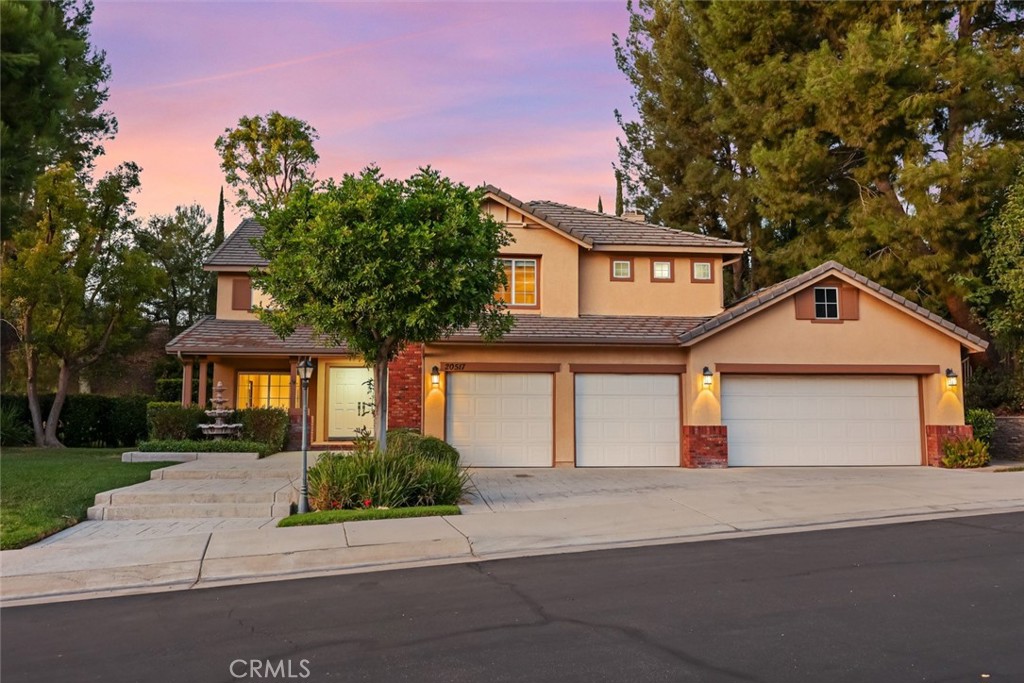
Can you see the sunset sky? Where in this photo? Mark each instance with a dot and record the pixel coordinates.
(519, 95)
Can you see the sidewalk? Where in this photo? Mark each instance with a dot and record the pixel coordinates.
(516, 513)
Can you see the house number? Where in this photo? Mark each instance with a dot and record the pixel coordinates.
(453, 367)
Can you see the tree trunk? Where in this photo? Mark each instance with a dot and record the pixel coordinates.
(380, 395)
(31, 392)
(50, 439)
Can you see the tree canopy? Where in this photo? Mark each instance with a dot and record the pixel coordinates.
(264, 157)
(377, 263)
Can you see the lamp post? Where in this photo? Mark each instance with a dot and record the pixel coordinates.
(305, 371)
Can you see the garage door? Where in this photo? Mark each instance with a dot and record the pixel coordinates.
(500, 419)
(797, 421)
(627, 420)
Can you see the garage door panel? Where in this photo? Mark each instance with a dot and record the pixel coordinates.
(794, 421)
(627, 420)
(500, 419)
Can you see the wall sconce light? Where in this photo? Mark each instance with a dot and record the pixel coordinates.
(708, 377)
(435, 376)
(951, 378)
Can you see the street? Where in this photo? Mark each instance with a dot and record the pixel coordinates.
(927, 601)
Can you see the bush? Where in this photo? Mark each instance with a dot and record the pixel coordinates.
(403, 440)
(269, 425)
(13, 430)
(1000, 389)
(434, 449)
(168, 390)
(172, 421)
(206, 446)
(964, 453)
(88, 419)
(984, 423)
(439, 483)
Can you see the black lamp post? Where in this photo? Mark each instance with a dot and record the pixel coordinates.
(305, 371)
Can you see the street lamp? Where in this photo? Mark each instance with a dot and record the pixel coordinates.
(305, 371)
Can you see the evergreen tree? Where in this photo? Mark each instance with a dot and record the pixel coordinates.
(618, 193)
(218, 239)
(600, 206)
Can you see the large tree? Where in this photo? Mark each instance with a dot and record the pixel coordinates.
(377, 263)
(73, 283)
(178, 245)
(264, 157)
(878, 134)
(53, 85)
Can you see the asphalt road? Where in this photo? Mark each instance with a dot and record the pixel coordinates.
(930, 601)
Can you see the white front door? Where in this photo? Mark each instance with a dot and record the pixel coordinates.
(827, 420)
(349, 401)
(500, 419)
(627, 420)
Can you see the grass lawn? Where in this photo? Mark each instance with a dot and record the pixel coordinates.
(335, 516)
(44, 490)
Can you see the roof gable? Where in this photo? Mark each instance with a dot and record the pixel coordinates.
(236, 252)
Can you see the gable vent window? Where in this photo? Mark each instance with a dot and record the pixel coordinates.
(826, 303)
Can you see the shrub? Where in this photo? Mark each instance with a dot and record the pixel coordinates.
(269, 425)
(984, 423)
(439, 483)
(89, 419)
(434, 449)
(168, 390)
(403, 440)
(172, 421)
(206, 446)
(964, 453)
(13, 430)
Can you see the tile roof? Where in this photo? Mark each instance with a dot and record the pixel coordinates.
(589, 329)
(781, 289)
(237, 250)
(211, 336)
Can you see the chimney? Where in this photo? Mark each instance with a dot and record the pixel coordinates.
(633, 216)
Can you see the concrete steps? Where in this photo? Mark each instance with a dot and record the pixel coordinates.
(188, 511)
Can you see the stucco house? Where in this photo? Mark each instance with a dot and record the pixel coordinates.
(624, 355)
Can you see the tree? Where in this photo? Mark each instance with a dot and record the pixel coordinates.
(73, 284)
(264, 157)
(218, 239)
(179, 245)
(53, 86)
(880, 135)
(618, 192)
(396, 262)
(600, 205)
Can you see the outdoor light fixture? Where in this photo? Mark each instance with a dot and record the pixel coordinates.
(305, 371)
(951, 378)
(435, 376)
(708, 377)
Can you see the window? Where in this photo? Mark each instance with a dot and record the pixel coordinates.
(521, 275)
(241, 294)
(702, 272)
(662, 271)
(262, 390)
(622, 269)
(826, 303)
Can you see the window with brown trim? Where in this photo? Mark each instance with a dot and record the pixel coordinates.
(826, 303)
(521, 276)
(621, 269)
(241, 294)
(832, 301)
(702, 271)
(263, 390)
(663, 270)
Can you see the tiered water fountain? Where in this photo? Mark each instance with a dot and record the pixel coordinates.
(218, 430)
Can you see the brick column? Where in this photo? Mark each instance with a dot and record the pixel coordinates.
(405, 389)
(705, 446)
(936, 435)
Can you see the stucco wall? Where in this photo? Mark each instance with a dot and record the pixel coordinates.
(600, 295)
(224, 287)
(559, 265)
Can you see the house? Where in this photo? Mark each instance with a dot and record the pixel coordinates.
(623, 354)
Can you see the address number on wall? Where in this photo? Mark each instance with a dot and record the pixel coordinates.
(453, 367)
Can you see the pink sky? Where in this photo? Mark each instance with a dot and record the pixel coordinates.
(519, 95)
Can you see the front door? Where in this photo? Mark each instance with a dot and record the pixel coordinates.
(349, 401)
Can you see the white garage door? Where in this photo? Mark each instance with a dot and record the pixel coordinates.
(796, 421)
(627, 420)
(500, 419)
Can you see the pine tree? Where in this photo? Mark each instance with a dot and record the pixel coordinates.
(600, 206)
(218, 239)
(618, 193)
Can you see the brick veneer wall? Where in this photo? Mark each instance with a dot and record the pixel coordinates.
(935, 435)
(405, 389)
(705, 446)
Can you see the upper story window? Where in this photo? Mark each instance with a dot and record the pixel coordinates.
(826, 303)
(622, 269)
(662, 271)
(702, 272)
(521, 275)
(241, 294)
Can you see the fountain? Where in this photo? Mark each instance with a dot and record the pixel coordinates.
(218, 430)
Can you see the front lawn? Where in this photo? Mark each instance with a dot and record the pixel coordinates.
(335, 516)
(44, 490)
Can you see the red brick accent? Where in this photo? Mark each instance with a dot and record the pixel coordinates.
(405, 389)
(936, 435)
(705, 446)
(295, 429)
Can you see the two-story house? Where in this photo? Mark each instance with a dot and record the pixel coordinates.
(624, 355)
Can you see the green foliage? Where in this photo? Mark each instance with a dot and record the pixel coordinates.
(88, 420)
(53, 85)
(207, 446)
(434, 449)
(984, 424)
(338, 516)
(264, 157)
(398, 262)
(171, 420)
(438, 482)
(14, 430)
(995, 389)
(168, 389)
(964, 453)
(403, 440)
(218, 239)
(267, 425)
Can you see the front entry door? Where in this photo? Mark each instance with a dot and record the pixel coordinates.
(350, 402)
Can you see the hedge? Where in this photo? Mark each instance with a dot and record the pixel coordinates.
(268, 425)
(169, 420)
(89, 420)
(207, 446)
